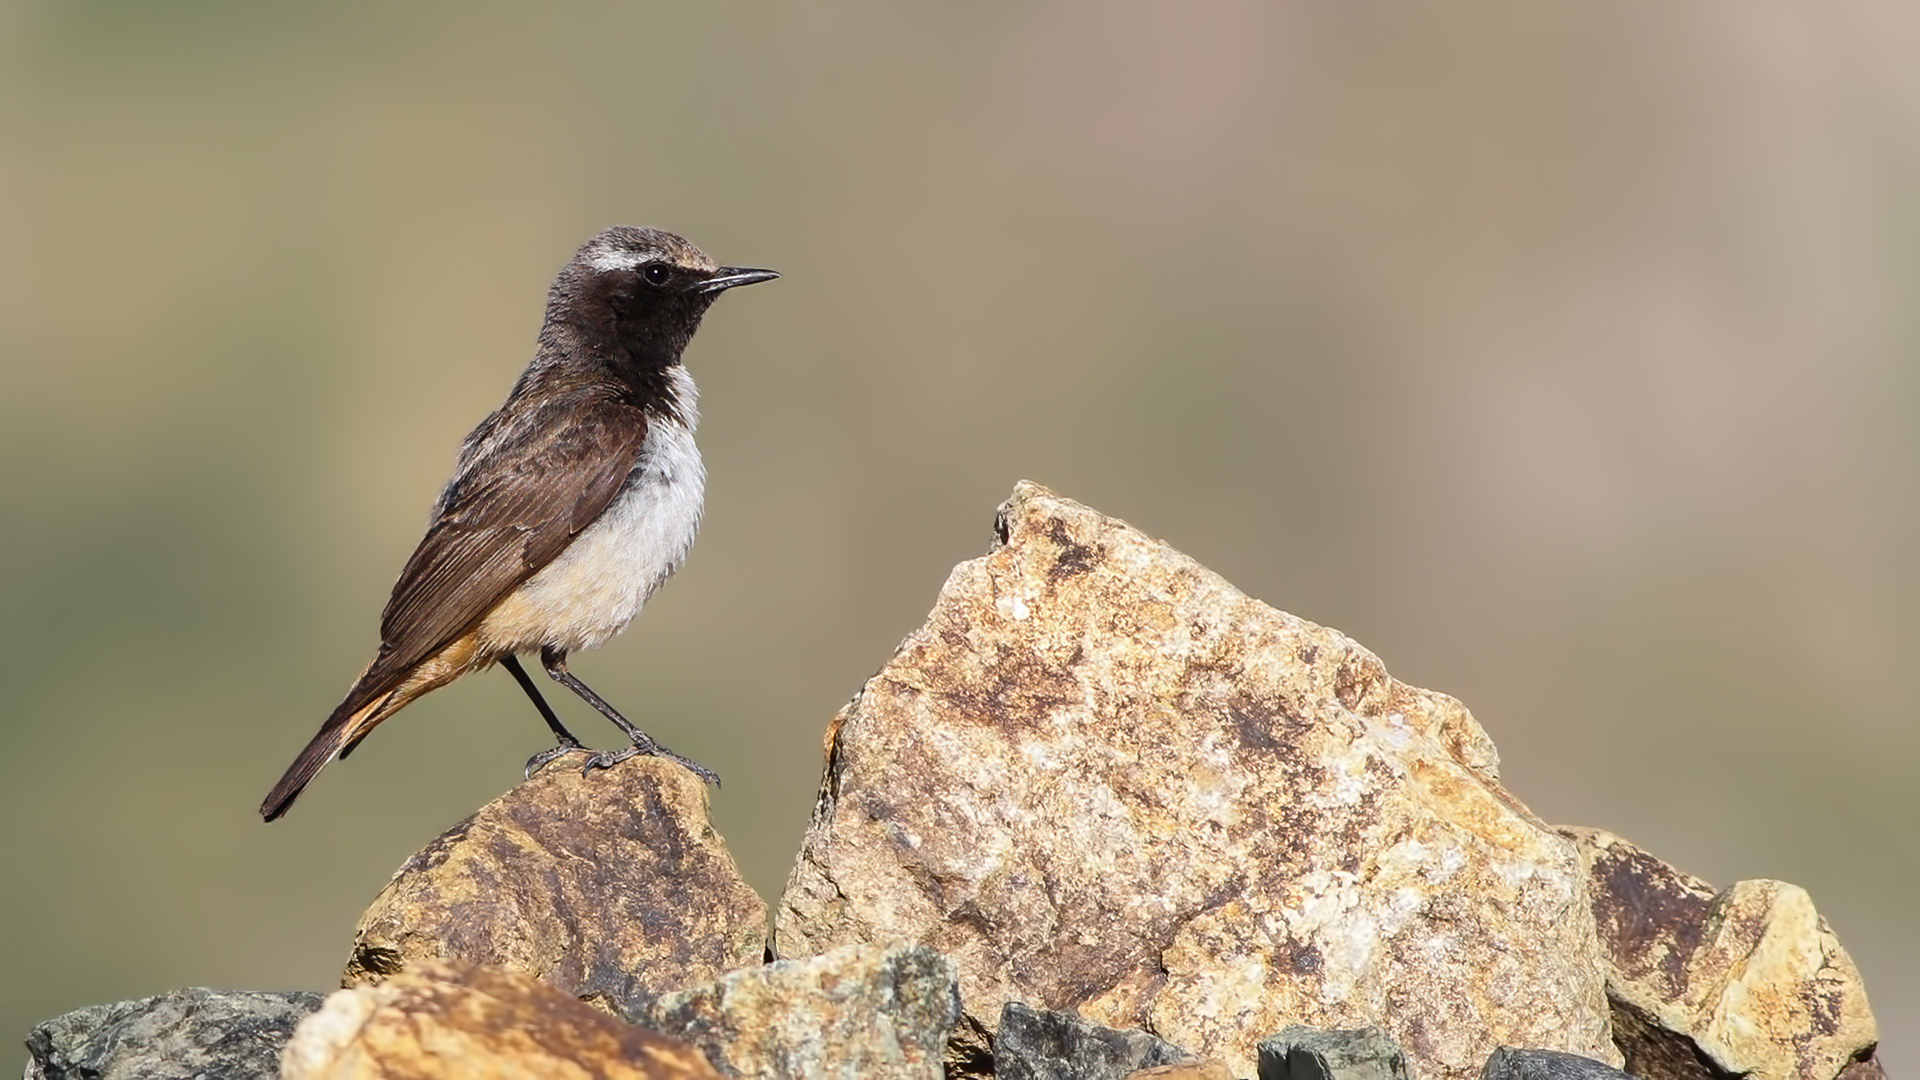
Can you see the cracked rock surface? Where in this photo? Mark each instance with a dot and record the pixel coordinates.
(1101, 779)
(612, 887)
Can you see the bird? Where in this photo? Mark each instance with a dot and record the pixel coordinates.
(568, 506)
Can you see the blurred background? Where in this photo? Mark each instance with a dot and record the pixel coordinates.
(1561, 354)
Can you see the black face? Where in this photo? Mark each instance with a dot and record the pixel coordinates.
(637, 295)
(649, 309)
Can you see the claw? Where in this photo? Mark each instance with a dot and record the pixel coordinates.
(551, 754)
(607, 759)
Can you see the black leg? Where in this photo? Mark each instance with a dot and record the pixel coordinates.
(568, 744)
(555, 662)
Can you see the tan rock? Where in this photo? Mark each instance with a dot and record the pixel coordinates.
(862, 1011)
(1101, 779)
(449, 1022)
(1750, 978)
(612, 887)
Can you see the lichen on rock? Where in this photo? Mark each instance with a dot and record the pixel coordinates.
(1104, 780)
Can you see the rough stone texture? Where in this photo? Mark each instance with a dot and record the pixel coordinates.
(1867, 1068)
(1507, 1063)
(1303, 1053)
(437, 1021)
(862, 1011)
(613, 887)
(182, 1035)
(1103, 780)
(1035, 1044)
(1748, 981)
(1191, 1070)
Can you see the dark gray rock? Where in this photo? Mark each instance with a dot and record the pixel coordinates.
(1035, 1044)
(858, 1011)
(181, 1035)
(1506, 1063)
(1303, 1053)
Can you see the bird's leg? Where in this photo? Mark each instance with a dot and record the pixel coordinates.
(555, 662)
(568, 744)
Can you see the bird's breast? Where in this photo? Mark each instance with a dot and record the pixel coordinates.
(601, 580)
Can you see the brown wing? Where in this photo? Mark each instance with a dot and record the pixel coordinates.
(532, 483)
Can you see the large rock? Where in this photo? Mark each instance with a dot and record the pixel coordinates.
(1103, 780)
(862, 1011)
(438, 1021)
(613, 887)
(180, 1035)
(1749, 981)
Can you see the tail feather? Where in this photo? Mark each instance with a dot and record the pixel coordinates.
(338, 735)
(377, 694)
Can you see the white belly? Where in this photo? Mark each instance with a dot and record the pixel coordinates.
(601, 581)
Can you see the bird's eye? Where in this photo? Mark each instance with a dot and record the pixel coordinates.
(657, 273)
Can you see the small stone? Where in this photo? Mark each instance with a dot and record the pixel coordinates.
(438, 1021)
(1303, 1053)
(182, 1035)
(613, 887)
(1506, 1063)
(1747, 981)
(1038, 1044)
(864, 1010)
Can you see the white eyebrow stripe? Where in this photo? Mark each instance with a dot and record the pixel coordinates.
(616, 260)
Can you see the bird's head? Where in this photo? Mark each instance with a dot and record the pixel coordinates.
(642, 290)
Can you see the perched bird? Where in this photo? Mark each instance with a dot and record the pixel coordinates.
(568, 507)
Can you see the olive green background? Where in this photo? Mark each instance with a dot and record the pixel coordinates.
(1563, 354)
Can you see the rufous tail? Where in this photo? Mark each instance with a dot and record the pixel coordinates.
(336, 737)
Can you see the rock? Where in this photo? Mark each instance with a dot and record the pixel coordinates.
(612, 887)
(1035, 1044)
(1103, 780)
(1190, 1070)
(1302, 1053)
(182, 1035)
(438, 1021)
(865, 1010)
(1748, 981)
(1507, 1063)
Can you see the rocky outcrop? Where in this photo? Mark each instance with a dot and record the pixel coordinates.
(1101, 816)
(1103, 780)
(440, 1021)
(613, 887)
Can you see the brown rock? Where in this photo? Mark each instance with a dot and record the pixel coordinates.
(1101, 779)
(613, 887)
(1747, 981)
(449, 1022)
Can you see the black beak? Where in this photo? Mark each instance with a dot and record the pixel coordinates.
(728, 276)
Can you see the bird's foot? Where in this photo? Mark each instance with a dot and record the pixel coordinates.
(607, 759)
(551, 754)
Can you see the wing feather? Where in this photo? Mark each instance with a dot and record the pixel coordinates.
(530, 484)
